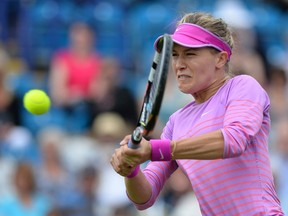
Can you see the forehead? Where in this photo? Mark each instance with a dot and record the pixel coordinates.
(180, 48)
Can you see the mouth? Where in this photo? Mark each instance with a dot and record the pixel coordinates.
(183, 77)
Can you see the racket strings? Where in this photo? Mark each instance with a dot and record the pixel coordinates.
(156, 85)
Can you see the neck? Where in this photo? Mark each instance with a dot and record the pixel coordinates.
(25, 197)
(81, 52)
(208, 92)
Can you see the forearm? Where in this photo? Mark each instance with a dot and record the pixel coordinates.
(138, 188)
(207, 146)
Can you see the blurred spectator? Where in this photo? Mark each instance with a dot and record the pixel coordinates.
(15, 140)
(9, 103)
(7, 167)
(281, 144)
(26, 201)
(180, 199)
(54, 179)
(107, 129)
(74, 77)
(246, 57)
(88, 182)
(124, 211)
(112, 95)
(277, 90)
(285, 39)
(249, 62)
(55, 212)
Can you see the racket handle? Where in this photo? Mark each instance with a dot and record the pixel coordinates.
(135, 138)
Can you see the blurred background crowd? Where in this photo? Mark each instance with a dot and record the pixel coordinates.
(92, 57)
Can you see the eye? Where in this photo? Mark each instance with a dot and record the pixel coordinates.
(174, 54)
(190, 53)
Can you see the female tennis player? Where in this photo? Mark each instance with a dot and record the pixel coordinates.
(220, 140)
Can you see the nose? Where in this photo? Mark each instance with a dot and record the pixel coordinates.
(179, 64)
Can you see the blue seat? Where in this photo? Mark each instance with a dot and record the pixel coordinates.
(145, 23)
(108, 19)
(3, 20)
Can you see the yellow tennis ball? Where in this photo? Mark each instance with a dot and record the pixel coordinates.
(36, 102)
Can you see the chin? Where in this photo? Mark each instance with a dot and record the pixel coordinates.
(185, 91)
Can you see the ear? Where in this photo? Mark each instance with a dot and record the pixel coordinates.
(221, 59)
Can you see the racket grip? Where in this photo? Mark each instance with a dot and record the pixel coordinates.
(135, 138)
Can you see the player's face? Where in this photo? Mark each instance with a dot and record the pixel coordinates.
(195, 68)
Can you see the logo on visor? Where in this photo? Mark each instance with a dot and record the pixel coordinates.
(179, 28)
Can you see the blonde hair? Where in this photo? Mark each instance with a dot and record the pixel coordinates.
(215, 25)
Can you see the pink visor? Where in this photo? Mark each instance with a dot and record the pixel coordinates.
(194, 36)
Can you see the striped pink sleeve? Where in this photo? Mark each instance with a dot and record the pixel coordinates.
(247, 115)
(158, 172)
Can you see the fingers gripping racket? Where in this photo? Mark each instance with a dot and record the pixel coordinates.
(154, 91)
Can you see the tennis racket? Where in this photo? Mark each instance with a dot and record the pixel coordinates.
(154, 91)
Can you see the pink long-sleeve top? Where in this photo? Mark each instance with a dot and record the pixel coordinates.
(241, 183)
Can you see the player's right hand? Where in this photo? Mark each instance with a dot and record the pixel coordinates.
(124, 160)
